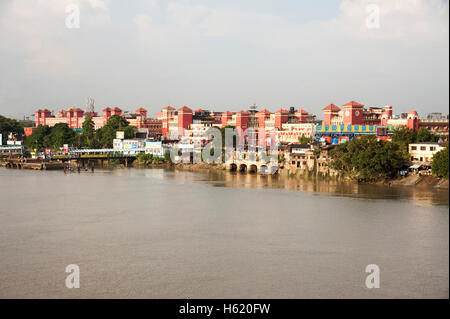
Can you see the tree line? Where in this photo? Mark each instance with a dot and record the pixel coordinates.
(56, 136)
(369, 159)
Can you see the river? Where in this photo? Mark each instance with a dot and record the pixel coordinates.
(156, 233)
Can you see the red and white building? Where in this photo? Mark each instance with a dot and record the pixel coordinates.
(74, 118)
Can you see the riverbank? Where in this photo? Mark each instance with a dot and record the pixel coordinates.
(420, 181)
(410, 180)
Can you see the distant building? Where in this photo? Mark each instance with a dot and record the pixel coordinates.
(74, 118)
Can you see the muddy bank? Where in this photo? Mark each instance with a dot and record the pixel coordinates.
(420, 181)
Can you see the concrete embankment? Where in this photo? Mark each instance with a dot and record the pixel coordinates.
(420, 181)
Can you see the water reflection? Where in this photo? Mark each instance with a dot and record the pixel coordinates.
(426, 196)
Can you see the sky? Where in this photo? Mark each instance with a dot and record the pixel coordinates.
(224, 54)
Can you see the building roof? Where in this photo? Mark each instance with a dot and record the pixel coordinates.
(265, 111)
(75, 109)
(281, 111)
(412, 112)
(141, 109)
(168, 108)
(107, 109)
(302, 112)
(184, 109)
(354, 104)
(428, 143)
(332, 108)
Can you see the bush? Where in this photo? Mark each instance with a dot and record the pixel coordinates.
(144, 158)
(440, 163)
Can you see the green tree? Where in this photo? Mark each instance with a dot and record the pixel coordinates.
(424, 135)
(61, 134)
(304, 140)
(36, 140)
(367, 159)
(88, 137)
(51, 137)
(107, 133)
(8, 125)
(167, 156)
(440, 163)
(404, 136)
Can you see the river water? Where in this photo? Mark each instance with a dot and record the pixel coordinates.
(155, 233)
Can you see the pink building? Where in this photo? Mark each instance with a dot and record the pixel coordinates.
(74, 118)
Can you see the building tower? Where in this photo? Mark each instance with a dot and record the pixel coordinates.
(329, 112)
(353, 113)
(413, 121)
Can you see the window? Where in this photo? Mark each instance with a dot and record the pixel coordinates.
(423, 148)
(413, 148)
(432, 148)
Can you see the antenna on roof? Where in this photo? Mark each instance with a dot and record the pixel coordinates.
(90, 105)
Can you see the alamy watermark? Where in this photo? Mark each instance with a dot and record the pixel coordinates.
(73, 17)
(250, 146)
(73, 279)
(373, 16)
(373, 279)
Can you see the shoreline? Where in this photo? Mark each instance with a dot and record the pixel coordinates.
(420, 181)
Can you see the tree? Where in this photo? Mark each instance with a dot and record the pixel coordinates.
(440, 163)
(107, 133)
(424, 135)
(167, 156)
(51, 137)
(8, 125)
(304, 140)
(88, 137)
(367, 159)
(36, 140)
(404, 136)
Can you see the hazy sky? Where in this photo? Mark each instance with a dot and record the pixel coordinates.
(224, 54)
